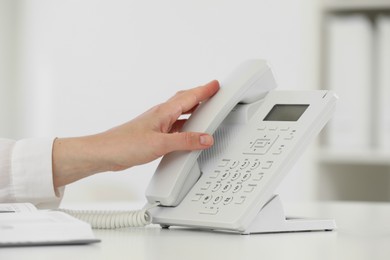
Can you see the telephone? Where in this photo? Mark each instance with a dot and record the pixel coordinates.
(259, 134)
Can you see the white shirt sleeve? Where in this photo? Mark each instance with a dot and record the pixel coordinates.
(26, 172)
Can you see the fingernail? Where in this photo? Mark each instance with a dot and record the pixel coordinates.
(206, 140)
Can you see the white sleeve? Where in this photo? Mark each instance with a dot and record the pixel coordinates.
(26, 172)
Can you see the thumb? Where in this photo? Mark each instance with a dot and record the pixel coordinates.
(188, 141)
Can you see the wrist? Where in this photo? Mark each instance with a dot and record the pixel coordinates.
(74, 159)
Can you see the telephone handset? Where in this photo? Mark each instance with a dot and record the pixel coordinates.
(178, 171)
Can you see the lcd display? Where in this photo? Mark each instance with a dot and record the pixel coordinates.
(286, 112)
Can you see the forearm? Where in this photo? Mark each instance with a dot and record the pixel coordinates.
(141, 140)
(76, 158)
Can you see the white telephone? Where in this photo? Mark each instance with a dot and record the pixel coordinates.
(259, 134)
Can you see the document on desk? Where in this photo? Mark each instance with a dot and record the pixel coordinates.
(21, 224)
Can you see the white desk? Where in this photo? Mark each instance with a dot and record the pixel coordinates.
(363, 233)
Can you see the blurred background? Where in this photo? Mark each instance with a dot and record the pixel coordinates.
(71, 68)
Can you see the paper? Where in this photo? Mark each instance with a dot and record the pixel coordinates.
(17, 207)
(22, 224)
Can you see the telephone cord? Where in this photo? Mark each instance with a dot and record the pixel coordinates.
(100, 219)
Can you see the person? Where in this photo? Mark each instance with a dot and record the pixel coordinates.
(37, 170)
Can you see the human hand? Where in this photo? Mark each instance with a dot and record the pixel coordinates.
(157, 131)
(143, 139)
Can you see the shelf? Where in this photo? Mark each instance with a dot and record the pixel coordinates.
(369, 157)
(370, 8)
(355, 5)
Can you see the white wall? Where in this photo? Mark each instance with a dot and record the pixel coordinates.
(86, 66)
(7, 66)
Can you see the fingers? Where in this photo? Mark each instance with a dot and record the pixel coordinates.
(186, 141)
(183, 102)
(177, 126)
(188, 99)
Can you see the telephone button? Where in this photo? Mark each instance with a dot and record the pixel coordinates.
(209, 211)
(225, 175)
(206, 186)
(207, 198)
(258, 176)
(235, 176)
(279, 150)
(217, 199)
(291, 135)
(227, 200)
(250, 188)
(197, 197)
(246, 176)
(234, 164)
(237, 188)
(216, 187)
(223, 162)
(244, 164)
(260, 146)
(240, 200)
(226, 187)
(260, 143)
(215, 174)
(254, 165)
(268, 164)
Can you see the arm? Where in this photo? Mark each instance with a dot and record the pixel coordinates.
(145, 138)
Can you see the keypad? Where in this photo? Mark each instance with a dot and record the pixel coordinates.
(234, 181)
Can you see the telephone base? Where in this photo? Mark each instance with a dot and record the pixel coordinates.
(271, 219)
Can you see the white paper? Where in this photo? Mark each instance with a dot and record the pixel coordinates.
(17, 207)
(41, 228)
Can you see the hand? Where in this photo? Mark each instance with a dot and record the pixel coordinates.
(143, 139)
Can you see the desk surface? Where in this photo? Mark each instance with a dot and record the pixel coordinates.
(363, 233)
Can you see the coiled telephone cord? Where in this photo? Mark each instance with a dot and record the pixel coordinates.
(99, 219)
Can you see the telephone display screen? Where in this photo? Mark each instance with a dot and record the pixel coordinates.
(283, 112)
